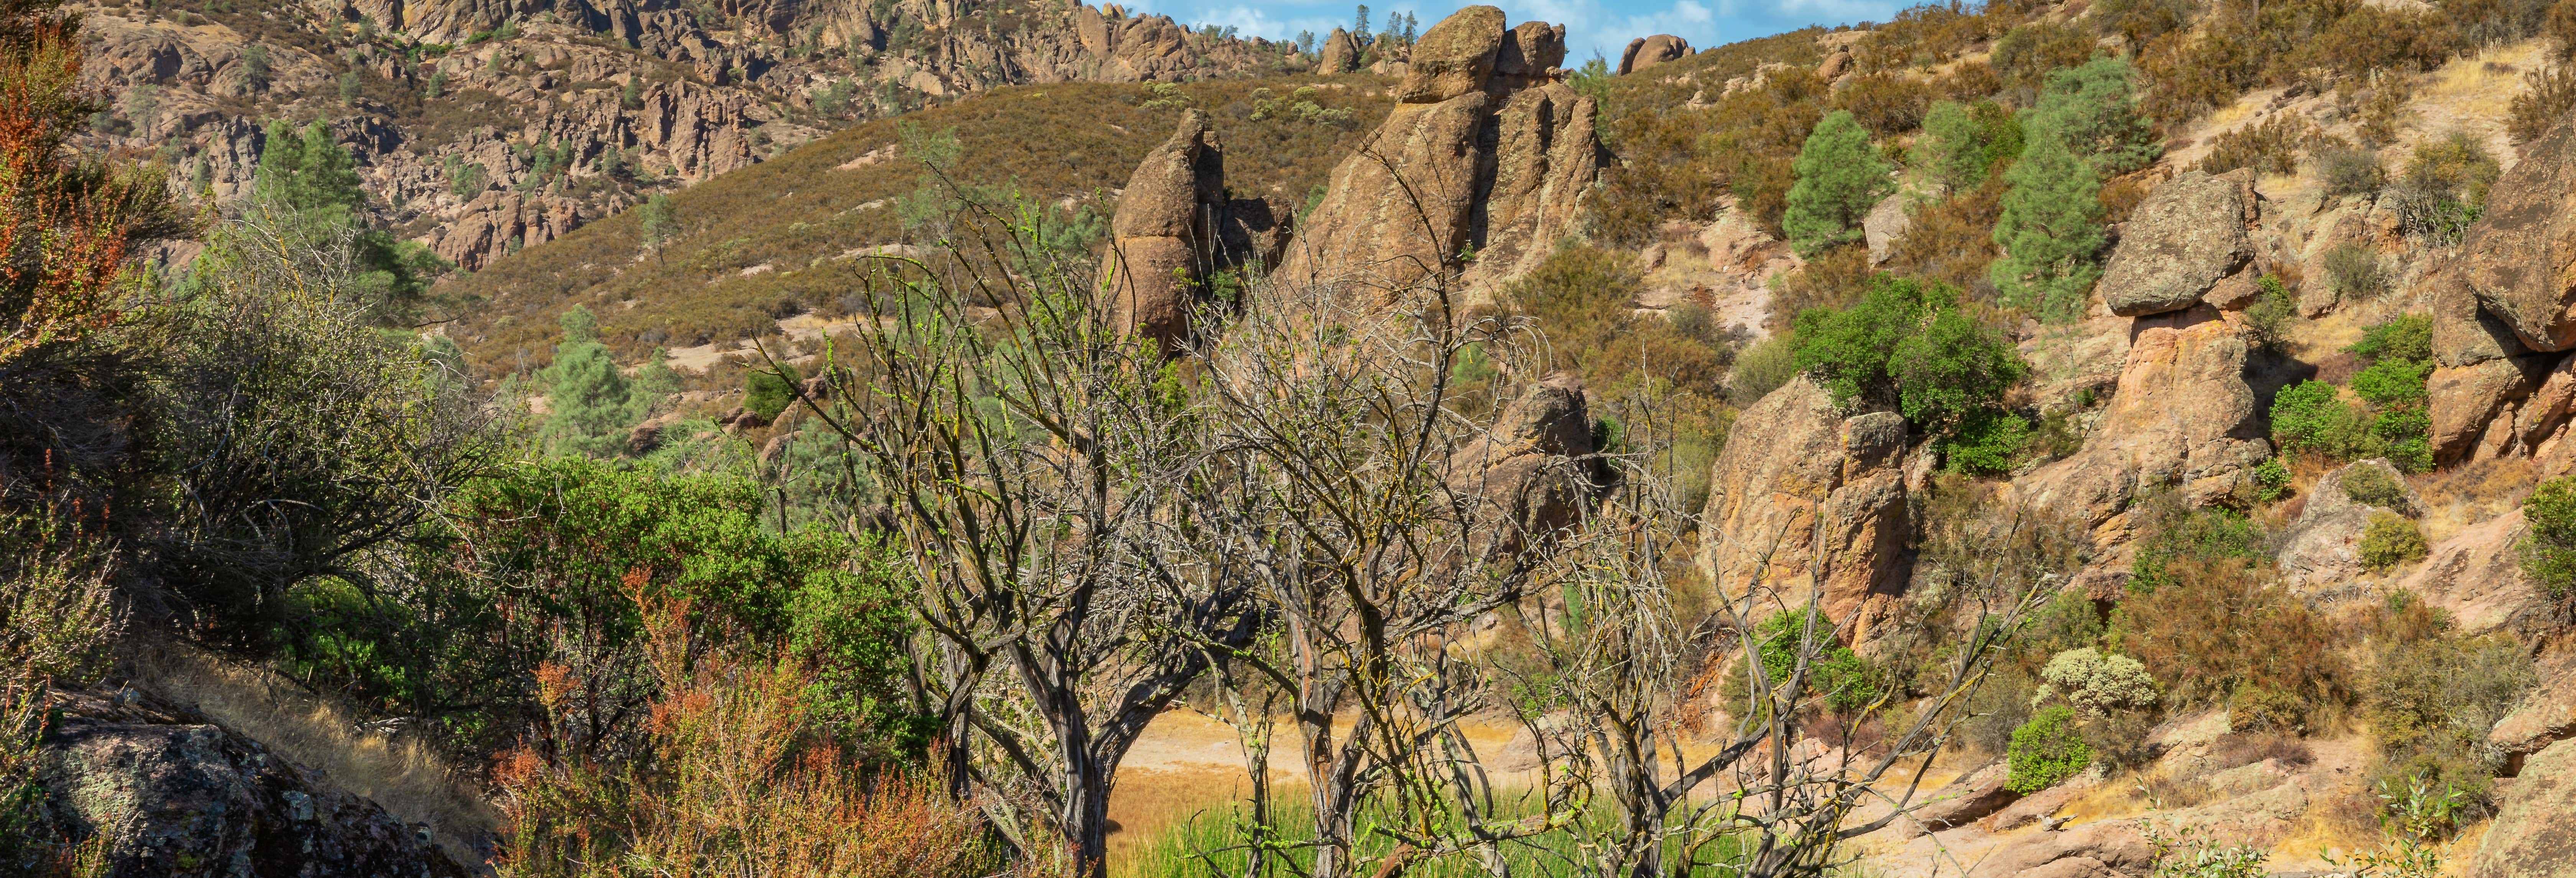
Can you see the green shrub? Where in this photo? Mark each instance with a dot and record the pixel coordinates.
(2272, 481)
(2408, 337)
(2025, 55)
(2093, 110)
(2269, 147)
(1988, 442)
(2046, 751)
(2353, 269)
(2098, 684)
(1839, 179)
(2549, 553)
(2348, 170)
(767, 392)
(1846, 681)
(2050, 231)
(2267, 321)
(2392, 382)
(2445, 187)
(2311, 417)
(2172, 533)
(2431, 700)
(2390, 540)
(1761, 368)
(1907, 343)
(2371, 486)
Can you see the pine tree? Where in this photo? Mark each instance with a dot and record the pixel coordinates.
(1840, 177)
(1952, 148)
(661, 222)
(591, 403)
(2093, 109)
(2051, 231)
(308, 188)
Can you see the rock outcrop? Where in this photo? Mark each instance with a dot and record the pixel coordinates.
(1803, 498)
(2531, 835)
(2469, 402)
(1488, 153)
(2476, 577)
(2520, 256)
(2324, 546)
(1529, 466)
(174, 793)
(2183, 240)
(1340, 54)
(553, 113)
(1970, 798)
(2182, 415)
(1644, 52)
(2109, 847)
(1175, 226)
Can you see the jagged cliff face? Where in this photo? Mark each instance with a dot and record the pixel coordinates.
(483, 126)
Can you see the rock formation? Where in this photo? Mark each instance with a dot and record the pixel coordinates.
(1802, 497)
(173, 792)
(1527, 466)
(2476, 577)
(2323, 547)
(2531, 835)
(1340, 54)
(1488, 153)
(2183, 240)
(2520, 256)
(1644, 52)
(2510, 292)
(1174, 227)
(549, 114)
(2182, 415)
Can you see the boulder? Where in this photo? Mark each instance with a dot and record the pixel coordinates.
(1454, 57)
(2466, 399)
(1884, 224)
(169, 789)
(2110, 847)
(2546, 410)
(1529, 57)
(1644, 52)
(1974, 795)
(2463, 333)
(2520, 256)
(2531, 835)
(2187, 236)
(2182, 415)
(1340, 54)
(1162, 229)
(1398, 208)
(1803, 498)
(2323, 546)
(2476, 576)
(1529, 464)
(2546, 715)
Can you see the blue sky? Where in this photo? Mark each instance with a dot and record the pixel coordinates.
(1605, 25)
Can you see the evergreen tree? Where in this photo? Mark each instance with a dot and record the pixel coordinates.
(2093, 109)
(308, 189)
(661, 222)
(591, 402)
(1957, 148)
(2051, 231)
(1840, 177)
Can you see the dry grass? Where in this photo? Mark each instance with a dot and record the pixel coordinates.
(404, 774)
(2472, 492)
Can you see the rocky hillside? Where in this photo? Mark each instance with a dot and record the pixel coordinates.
(484, 128)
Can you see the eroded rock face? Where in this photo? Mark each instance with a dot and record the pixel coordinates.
(2532, 835)
(1340, 54)
(1488, 153)
(1644, 52)
(1527, 465)
(1165, 228)
(2476, 576)
(1790, 464)
(1963, 801)
(2182, 415)
(177, 794)
(2187, 236)
(2520, 256)
(2466, 400)
(2109, 847)
(2324, 545)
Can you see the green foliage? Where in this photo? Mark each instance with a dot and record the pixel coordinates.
(2098, 684)
(2174, 534)
(1989, 442)
(1906, 343)
(1579, 298)
(1961, 145)
(2024, 57)
(2445, 187)
(2392, 382)
(2549, 553)
(2372, 486)
(1839, 179)
(2431, 699)
(2093, 110)
(2046, 751)
(591, 403)
(2353, 269)
(2272, 481)
(1762, 368)
(2391, 539)
(2347, 170)
(308, 187)
(1846, 682)
(660, 221)
(2050, 231)
(2267, 321)
(768, 392)
(2310, 418)
(2404, 338)
(1299, 106)
(254, 66)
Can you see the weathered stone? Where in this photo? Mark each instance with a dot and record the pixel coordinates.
(1802, 498)
(1398, 208)
(2182, 415)
(1453, 57)
(2548, 407)
(2476, 576)
(1545, 159)
(1644, 52)
(2189, 234)
(2546, 715)
(169, 790)
(1973, 796)
(1164, 231)
(1340, 54)
(2324, 546)
(1531, 50)
(2465, 400)
(2531, 836)
(2106, 847)
(1884, 224)
(2520, 256)
(2463, 333)
(1527, 464)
